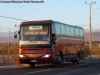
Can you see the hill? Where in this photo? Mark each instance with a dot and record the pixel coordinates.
(95, 36)
(5, 35)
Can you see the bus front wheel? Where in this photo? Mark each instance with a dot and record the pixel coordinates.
(59, 61)
(32, 64)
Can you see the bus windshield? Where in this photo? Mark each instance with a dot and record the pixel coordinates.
(34, 35)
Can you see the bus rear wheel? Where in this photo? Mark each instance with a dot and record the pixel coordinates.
(77, 60)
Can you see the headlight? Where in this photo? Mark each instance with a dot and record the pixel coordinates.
(47, 55)
(22, 56)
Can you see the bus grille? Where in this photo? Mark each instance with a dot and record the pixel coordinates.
(33, 55)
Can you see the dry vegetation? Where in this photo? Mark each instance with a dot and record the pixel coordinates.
(13, 54)
(95, 50)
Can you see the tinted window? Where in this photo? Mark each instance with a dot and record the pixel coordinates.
(72, 32)
(77, 32)
(62, 29)
(67, 31)
(57, 27)
(81, 34)
(53, 28)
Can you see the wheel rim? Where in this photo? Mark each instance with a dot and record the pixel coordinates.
(60, 60)
(77, 59)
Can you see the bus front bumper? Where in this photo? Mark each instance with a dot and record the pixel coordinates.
(35, 60)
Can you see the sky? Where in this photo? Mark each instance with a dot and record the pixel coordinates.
(73, 12)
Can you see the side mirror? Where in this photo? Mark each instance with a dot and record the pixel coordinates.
(15, 35)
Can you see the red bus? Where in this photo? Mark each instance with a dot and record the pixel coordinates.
(48, 41)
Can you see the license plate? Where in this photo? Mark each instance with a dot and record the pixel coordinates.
(33, 60)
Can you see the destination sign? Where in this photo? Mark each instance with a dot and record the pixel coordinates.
(35, 27)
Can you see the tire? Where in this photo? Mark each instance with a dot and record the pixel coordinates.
(32, 64)
(73, 62)
(78, 54)
(77, 60)
(61, 55)
(59, 61)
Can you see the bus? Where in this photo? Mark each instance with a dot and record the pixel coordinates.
(48, 41)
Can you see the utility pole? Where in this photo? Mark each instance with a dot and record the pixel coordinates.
(8, 43)
(90, 34)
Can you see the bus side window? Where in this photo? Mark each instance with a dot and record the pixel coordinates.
(67, 31)
(57, 29)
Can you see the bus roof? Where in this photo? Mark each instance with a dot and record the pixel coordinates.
(45, 22)
(36, 22)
